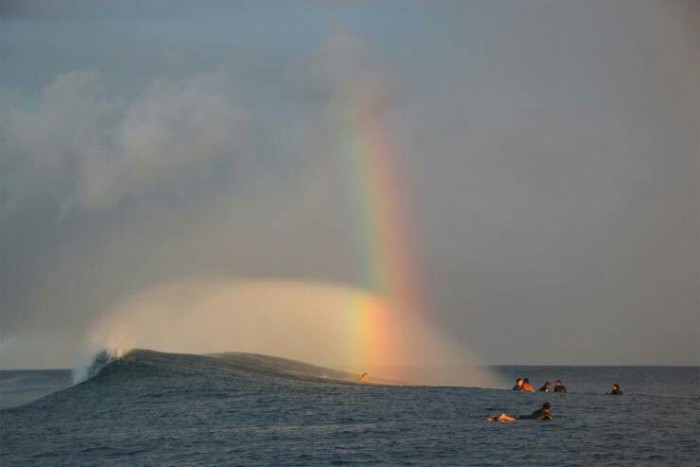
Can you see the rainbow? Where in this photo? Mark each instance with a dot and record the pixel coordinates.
(383, 329)
(369, 155)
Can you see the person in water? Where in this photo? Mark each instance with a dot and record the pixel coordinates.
(545, 413)
(616, 391)
(518, 384)
(527, 386)
(364, 378)
(558, 387)
(545, 387)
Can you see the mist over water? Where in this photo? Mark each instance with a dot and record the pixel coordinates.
(322, 324)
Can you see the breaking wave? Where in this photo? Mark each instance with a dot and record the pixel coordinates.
(147, 364)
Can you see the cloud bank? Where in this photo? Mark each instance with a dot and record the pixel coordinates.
(108, 149)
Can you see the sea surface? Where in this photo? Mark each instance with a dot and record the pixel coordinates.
(151, 408)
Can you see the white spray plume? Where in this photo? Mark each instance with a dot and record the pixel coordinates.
(316, 323)
(92, 358)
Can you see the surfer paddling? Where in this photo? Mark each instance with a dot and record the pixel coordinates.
(545, 413)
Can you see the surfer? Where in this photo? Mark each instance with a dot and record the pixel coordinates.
(504, 417)
(364, 378)
(527, 386)
(518, 384)
(545, 387)
(616, 391)
(545, 413)
(558, 387)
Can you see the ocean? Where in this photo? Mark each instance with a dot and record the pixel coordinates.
(153, 408)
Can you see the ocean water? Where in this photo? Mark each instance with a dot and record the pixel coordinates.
(150, 408)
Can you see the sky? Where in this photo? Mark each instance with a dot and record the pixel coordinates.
(540, 193)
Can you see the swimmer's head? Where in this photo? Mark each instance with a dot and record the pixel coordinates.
(547, 406)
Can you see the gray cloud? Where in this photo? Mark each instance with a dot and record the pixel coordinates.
(77, 164)
(107, 150)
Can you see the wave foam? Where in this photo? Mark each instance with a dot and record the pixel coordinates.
(90, 367)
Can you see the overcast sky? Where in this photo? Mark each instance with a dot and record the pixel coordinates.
(549, 164)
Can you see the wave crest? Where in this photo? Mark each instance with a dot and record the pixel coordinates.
(95, 364)
(138, 364)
